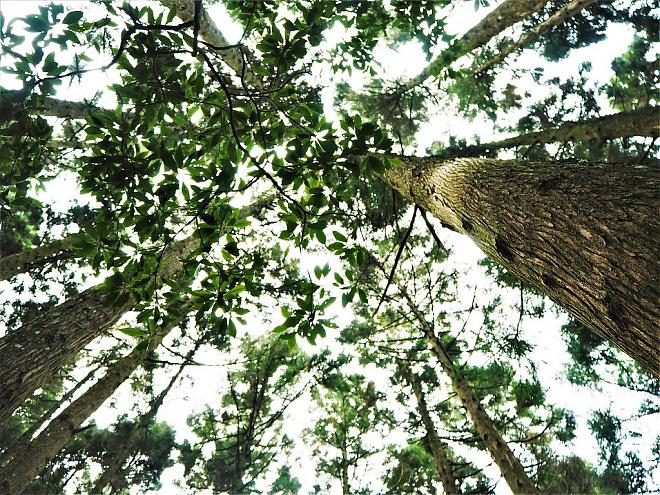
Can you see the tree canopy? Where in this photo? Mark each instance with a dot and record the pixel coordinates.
(348, 247)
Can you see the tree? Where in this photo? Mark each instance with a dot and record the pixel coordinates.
(245, 433)
(27, 460)
(199, 127)
(604, 213)
(352, 409)
(439, 450)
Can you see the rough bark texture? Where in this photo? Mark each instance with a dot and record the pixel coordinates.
(641, 122)
(586, 235)
(442, 463)
(32, 354)
(26, 463)
(25, 437)
(508, 13)
(13, 264)
(185, 10)
(564, 13)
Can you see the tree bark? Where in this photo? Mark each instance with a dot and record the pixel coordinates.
(29, 460)
(564, 13)
(32, 354)
(508, 13)
(24, 438)
(47, 106)
(586, 235)
(13, 264)
(641, 122)
(127, 448)
(437, 448)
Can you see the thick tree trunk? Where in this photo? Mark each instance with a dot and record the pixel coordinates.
(586, 235)
(28, 461)
(564, 13)
(641, 122)
(13, 264)
(508, 13)
(437, 448)
(127, 447)
(32, 354)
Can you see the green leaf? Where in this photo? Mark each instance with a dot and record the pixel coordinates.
(133, 331)
(72, 17)
(36, 24)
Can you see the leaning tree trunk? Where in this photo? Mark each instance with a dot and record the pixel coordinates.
(586, 235)
(641, 122)
(238, 58)
(560, 16)
(24, 438)
(442, 463)
(35, 352)
(13, 264)
(508, 13)
(127, 446)
(29, 460)
(509, 465)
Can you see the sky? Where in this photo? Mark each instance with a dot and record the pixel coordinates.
(201, 385)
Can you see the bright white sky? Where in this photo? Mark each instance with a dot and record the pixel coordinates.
(202, 383)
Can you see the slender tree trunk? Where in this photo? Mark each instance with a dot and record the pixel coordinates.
(13, 99)
(32, 354)
(509, 465)
(586, 235)
(233, 56)
(127, 447)
(641, 122)
(564, 13)
(345, 486)
(508, 13)
(442, 463)
(25, 437)
(13, 264)
(29, 460)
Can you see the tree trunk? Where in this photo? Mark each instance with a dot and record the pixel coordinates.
(510, 467)
(32, 354)
(437, 448)
(47, 106)
(345, 486)
(233, 56)
(24, 438)
(127, 448)
(641, 122)
(586, 235)
(29, 460)
(564, 13)
(508, 13)
(13, 264)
